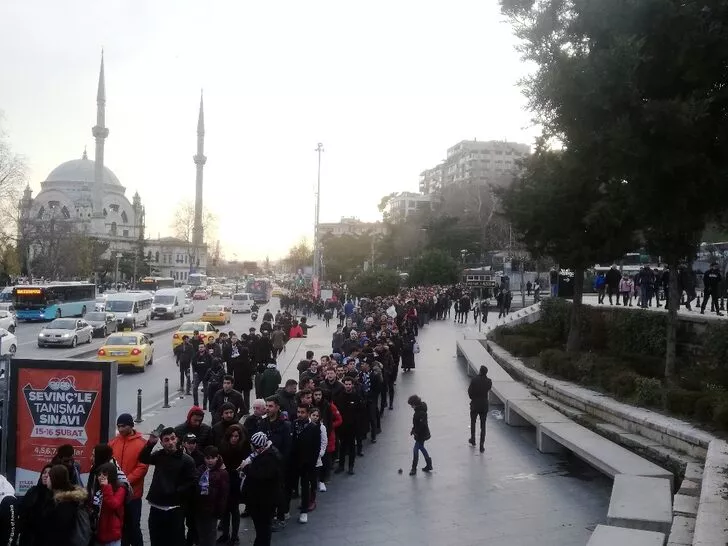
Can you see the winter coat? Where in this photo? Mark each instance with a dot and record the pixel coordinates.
(263, 485)
(420, 428)
(201, 363)
(408, 355)
(478, 390)
(203, 432)
(279, 432)
(334, 389)
(278, 339)
(349, 404)
(613, 277)
(626, 286)
(174, 476)
(35, 503)
(211, 498)
(337, 340)
(59, 522)
(287, 402)
(306, 444)
(111, 517)
(336, 421)
(126, 451)
(295, 331)
(221, 397)
(268, 382)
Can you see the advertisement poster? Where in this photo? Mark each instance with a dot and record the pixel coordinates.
(326, 294)
(55, 407)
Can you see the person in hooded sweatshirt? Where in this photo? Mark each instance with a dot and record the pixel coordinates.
(9, 522)
(194, 425)
(421, 432)
(478, 392)
(59, 520)
(35, 503)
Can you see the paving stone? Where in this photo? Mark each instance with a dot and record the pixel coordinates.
(639, 502)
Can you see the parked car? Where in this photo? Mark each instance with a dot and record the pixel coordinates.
(8, 321)
(8, 343)
(67, 332)
(102, 323)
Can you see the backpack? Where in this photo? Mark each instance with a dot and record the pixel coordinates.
(81, 534)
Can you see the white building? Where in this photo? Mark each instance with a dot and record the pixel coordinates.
(176, 258)
(402, 205)
(351, 226)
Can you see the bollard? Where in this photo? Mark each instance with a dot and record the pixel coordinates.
(166, 393)
(139, 407)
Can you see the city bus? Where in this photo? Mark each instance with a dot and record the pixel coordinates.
(197, 279)
(260, 289)
(152, 284)
(50, 301)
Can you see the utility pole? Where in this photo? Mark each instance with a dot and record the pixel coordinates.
(316, 242)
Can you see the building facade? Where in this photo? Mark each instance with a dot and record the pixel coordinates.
(176, 258)
(404, 204)
(351, 226)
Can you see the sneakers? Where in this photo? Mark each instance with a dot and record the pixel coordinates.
(303, 518)
(322, 487)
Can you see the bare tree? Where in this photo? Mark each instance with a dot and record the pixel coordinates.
(13, 176)
(183, 223)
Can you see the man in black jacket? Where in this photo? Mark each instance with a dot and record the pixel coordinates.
(304, 455)
(201, 362)
(184, 353)
(194, 425)
(349, 403)
(478, 392)
(172, 486)
(371, 389)
(227, 394)
(711, 283)
(287, 398)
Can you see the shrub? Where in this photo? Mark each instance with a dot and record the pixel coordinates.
(623, 384)
(649, 391)
(555, 314)
(552, 360)
(682, 401)
(720, 412)
(705, 407)
(522, 345)
(637, 332)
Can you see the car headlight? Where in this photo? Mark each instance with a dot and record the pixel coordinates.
(41, 334)
(66, 335)
(129, 315)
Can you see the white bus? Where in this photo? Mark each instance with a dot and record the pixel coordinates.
(130, 308)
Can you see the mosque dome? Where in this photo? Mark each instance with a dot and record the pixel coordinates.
(80, 170)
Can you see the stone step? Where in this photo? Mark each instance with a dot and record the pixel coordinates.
(571, 413)
(681, 532)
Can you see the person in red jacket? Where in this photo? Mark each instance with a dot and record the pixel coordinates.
(295, 331)
(126, 448)
(111, 516)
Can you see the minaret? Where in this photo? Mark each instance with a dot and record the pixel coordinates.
(200, 159)
(99, 132)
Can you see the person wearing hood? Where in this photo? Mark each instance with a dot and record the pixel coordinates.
(111, 514)
(126, 448)
(9, 522)
(35, 503)
(287, 398)
(59, 521)
(421, 432)
(478, 392)
(211, 496)
(194, 425)
(266, 383)
(172, 487)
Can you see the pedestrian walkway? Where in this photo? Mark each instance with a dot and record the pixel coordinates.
(683, 313)
(509, 495)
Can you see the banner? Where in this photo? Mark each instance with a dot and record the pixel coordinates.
(327, 294)
(55, 407)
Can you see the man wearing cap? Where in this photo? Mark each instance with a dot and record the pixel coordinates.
(189, 445)
(126, 448)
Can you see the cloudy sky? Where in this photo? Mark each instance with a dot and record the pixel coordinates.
(386, 86)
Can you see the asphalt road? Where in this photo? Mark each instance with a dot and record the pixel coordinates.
(152, 380)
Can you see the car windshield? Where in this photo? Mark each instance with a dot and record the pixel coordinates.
(192, 326)
(119, 306)
(95, 316)
(164, 300)
(122, 340)
(62, 324)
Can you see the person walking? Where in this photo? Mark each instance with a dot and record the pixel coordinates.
(478, 392)
(126, 448)
(211, 496)
(712, 280)
(421, 432)
(172, 485)
(263, 485)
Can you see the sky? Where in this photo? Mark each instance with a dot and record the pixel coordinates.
(386, 86)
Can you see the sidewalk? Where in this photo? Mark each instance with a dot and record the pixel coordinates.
(683, 313)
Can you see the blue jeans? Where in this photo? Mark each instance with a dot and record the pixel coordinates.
(419, 446)
(132, 532)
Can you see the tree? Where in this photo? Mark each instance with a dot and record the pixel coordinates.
(375, 282)
(344, 255)
(183, 222)
(434, 266)
(637, 88)
(299, 255)
(561, 210)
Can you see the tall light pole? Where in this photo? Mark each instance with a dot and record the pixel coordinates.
(116, 273)
(316, 241)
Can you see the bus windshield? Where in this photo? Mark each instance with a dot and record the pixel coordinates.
(119, 306)
(30, 298)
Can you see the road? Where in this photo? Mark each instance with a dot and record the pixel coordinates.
(152, 380)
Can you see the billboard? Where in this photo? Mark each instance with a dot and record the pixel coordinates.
(54, 403)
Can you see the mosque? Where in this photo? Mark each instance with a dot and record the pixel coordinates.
(89, 195)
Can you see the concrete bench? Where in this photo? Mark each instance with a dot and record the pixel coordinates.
(477, 355)
(604, 535)
(524, 412)
(503, 391)
(711, 525)
(604, 455)
(638, 502)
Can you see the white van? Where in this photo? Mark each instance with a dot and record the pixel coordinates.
(168, 302)
(130, 308)
(242, 302)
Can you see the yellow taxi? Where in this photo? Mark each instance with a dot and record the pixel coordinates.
(276, 292)
(131, 350)
(206, 330)
(217, 314)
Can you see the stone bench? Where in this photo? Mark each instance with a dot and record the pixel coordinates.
(639, 502)
(711, 524)
(524, 412)
(476, 355)
(604, 535)
(604, 455)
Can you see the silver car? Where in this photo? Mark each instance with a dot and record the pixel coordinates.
(66, 332)
(189, 306)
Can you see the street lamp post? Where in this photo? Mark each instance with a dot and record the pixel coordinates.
(316, 242)
(116, 272)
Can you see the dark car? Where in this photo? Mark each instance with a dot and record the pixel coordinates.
(102, 323)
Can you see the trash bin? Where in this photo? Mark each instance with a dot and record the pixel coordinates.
(566, 284)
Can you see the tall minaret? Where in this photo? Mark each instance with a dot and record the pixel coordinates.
(99, 132)
(200, 159)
